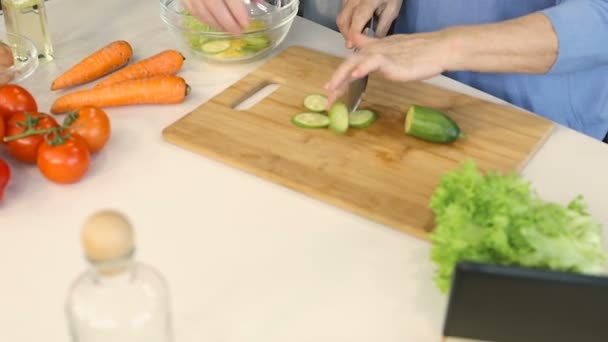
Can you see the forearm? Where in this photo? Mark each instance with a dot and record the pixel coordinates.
(523, 45)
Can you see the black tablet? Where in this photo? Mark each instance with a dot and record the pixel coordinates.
(512, 304)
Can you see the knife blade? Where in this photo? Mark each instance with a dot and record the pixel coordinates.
(356, 88)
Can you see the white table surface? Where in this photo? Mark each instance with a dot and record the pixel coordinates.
(246, 259)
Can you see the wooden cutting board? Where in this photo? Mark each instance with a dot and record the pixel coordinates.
(377, 172)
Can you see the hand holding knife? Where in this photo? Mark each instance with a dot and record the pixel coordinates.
(356, 88)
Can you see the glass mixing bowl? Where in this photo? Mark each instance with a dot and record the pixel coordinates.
(270, 22)
(25, 58)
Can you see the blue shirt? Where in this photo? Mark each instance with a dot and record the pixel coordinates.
(573, 93)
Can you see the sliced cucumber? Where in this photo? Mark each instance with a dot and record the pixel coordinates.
(310, 120)
(361, 118)
(315, 102)
(257, 42)
(431, 125)
(215, 46)
(247, 51)
(338, 118)
(196, 41)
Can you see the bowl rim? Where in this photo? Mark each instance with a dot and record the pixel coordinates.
(33, 52)
(294, 3)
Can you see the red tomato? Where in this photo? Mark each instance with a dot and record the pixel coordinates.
(64, 163)
(26, 149)
(1, 130)
(5, 176)
(14, 99)
(93, 126)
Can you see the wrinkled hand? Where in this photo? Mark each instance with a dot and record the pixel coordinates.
(227, 15)
(398, 58)
(356, 13)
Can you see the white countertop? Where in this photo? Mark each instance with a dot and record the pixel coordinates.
(246, 259)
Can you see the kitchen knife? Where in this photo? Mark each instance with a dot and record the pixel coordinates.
(356, 88)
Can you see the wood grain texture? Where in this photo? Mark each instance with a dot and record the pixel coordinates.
(377, 172)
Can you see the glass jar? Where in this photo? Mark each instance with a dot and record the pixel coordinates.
(117, 299)
(28, 18)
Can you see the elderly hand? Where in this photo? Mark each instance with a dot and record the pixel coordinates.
(227, 15)
(356, 13)
(398, 58)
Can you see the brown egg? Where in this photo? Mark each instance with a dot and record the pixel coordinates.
(6, 61)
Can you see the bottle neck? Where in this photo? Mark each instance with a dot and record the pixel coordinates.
(113, 269)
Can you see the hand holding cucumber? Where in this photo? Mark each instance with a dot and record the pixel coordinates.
(399, 58)
(226, 15)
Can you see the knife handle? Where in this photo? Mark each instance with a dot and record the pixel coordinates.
(372, 24)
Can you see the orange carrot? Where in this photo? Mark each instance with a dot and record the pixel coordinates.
(164, 63)
(100, 63)
(154, 90)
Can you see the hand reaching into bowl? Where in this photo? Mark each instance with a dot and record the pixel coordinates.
(227, 15)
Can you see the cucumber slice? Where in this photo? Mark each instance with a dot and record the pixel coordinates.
(361, 118)
(338, 118)
(252, 50)
(310, 120)
(247, 51)
(431, 125)
(196, 41)
(315, 102)
(257, 42)
(255, 49)
(216, 46)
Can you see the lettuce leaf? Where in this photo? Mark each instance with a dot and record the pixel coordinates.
(498, 219)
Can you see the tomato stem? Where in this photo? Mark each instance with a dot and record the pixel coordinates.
(30, 123)
(28, 133)
(69, 120)
(58, 138)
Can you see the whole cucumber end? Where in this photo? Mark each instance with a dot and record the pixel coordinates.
(431, 125)
(409, 118)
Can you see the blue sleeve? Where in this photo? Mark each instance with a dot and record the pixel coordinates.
(582, 32)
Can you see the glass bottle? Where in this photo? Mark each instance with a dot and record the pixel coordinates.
(117, 299)
(28, 18)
